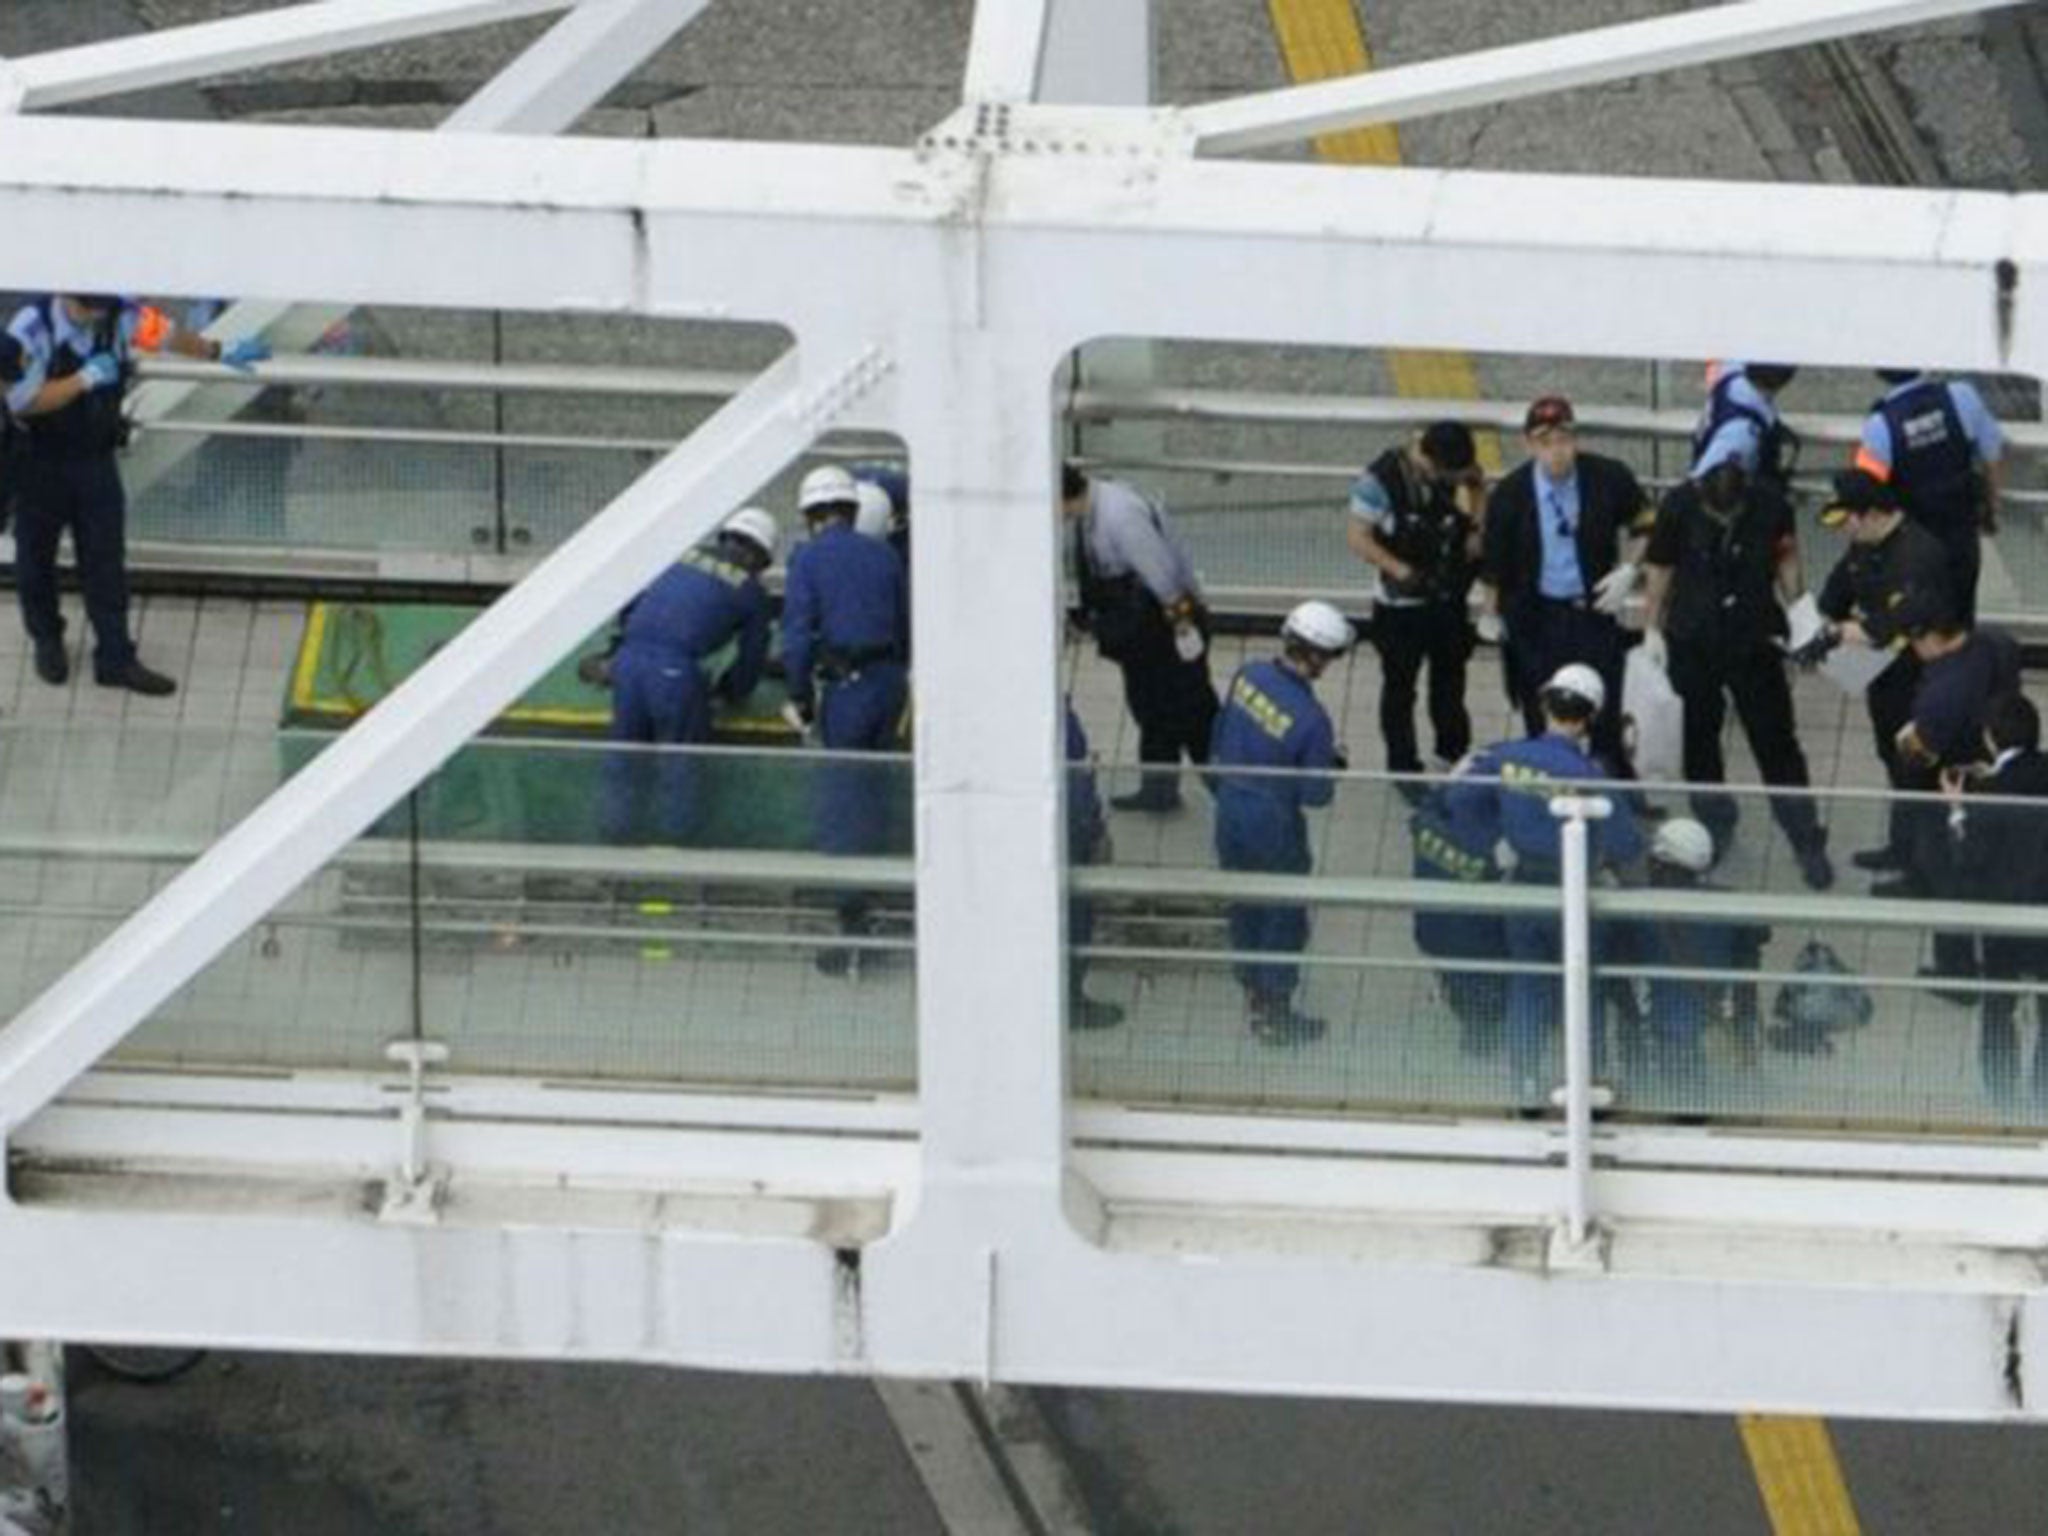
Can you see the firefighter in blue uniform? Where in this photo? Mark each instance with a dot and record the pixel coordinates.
(894, 483)
(1415, 519)
(1087, 843)
(661, 694)
(1934, 443)
(1271, 720)
(845, 644)
(1680, 855)
(1446, 848)
(1503, 794)
(78, 358)
(1740, 422)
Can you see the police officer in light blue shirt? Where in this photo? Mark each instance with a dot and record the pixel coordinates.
(1271, 720)
(1937, 446)
(660, 692)
(845, 644)
(78, 352)
(1503, 795)
(1740, 424)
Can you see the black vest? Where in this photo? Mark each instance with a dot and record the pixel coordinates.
(1778, 444)
(93, 423)
(1724, 581)
(1429, 533)
(1934, 467)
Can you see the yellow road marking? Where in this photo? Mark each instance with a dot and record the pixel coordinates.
(1793, 1458)
(1799, 1476)
(1320, 39)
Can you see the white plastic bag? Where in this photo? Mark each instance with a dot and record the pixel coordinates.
(1652, 720)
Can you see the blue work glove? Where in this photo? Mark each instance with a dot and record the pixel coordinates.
(100, 371)
(246, 353)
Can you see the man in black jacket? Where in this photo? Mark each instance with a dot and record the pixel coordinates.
(1721, 558)
(2001, 851)
(1559, 558)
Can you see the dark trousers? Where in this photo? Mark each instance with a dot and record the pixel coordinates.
(1440, 635)
(1998, 1046)
(1706, 676)
(657, 699)
(851, 798)
(1545, 635)
(1256, 832)
(1889, 700)
(81, 492)
(1965, 562)
(1173, 703)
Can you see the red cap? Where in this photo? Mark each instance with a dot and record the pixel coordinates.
(1550, 411)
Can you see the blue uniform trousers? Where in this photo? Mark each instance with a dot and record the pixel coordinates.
(1260, 833)
(850, 799)
(81, 492)
(1535, 1002)
(660, 698)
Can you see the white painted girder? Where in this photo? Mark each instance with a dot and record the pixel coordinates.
(567, 71)
(279, 36)
(1085, 248)
(1517, 71)
(1005, 50)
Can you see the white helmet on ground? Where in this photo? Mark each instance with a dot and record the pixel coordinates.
(1318, 626)
(827, 485)
(1581, 682)
(877, 510)
(756, 527)
(1684, 843)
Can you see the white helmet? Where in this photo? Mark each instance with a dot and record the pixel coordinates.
(1580, 682)
(1320, 627)
(875, 512)
(1685, 843)
(827, 485)
(756, 527)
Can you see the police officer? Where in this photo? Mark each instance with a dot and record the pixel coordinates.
(1561, 531)
(13, 440)
(1680, 855)
(1139, 595)
(1890, 563)
(2002, 850)
(845, 640)
(660, 691)
(1087, 843)
(1503, 794)
(78, 353)
(1961, 670)
(1271, 720)
(1935, 444)
(1740, 421)
(1415, 519)
(1722, 555)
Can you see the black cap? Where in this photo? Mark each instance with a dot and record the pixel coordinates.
(1899, 375)
(1771, 376)
(1448, 445)
(13, 359)
(1857, 490)
(1072, 481)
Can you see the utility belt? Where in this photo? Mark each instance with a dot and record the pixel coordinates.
(844, 664)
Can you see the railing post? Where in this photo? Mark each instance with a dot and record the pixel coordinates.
(1577, 953)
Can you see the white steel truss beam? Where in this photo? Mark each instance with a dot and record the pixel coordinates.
(1006, 50)
(1494, 75)
(1343, 256)
(150, 59)
(315, 814)
(568, 70)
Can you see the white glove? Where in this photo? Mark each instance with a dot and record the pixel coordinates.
(1611, 593)
(1490, 629)
(1805, 622)
(1655, 651)
(1188, 643)
(798, 720)
(1504, 856)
